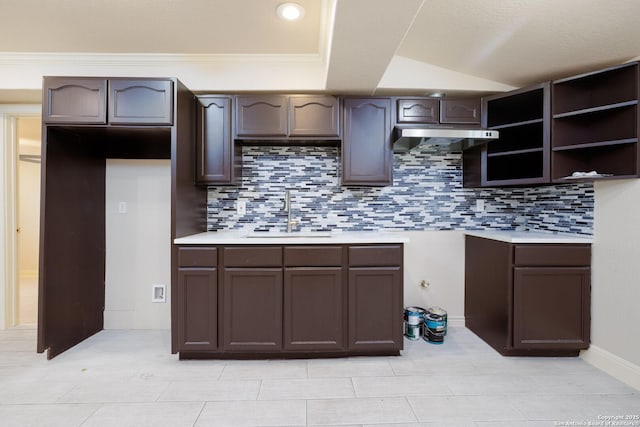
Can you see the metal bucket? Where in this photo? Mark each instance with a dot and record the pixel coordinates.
(413, 320)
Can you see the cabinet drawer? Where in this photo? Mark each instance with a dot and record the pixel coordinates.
(313, 256)
(197, 257)
(371, 256)
(552, 255)
(259, 256)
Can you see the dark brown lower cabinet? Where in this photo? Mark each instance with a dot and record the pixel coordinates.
(528, 299)
(252, 309)
(375, 308)
(270, 301)
(314, 309)
(198, 308)
(549, 306)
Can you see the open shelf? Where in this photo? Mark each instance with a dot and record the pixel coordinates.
(615, 160)
(526, 165)
(595, 124)
(515, 138)
(611, 86)
(604, 125)
(520, 106)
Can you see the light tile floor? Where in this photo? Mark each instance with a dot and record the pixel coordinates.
(129, 378)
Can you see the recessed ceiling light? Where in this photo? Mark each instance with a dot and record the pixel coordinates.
(290, 11)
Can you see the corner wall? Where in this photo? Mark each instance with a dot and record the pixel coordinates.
(615, 288)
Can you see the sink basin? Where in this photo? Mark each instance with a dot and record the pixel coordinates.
(283, 235)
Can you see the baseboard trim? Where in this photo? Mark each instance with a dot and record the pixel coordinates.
(455, 321)
(617, 367)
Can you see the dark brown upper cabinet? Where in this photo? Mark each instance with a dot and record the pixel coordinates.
(283, 117)
(417, 110)
(74, 100)
(99, 101)
(434, 111)
(261, 116)
(521, 155)
(141, 102)
(595, 124)
(460, 111)
(314, 116)
(218, 157)
(367, 154)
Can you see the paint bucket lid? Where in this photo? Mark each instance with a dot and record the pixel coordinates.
(437, 311)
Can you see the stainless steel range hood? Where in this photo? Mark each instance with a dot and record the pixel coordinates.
(408, 138)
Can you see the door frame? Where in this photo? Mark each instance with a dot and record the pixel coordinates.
(9, 114)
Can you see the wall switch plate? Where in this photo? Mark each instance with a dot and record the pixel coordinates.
(241, 207)
(159, 293)
(479, 205)
(122, 207)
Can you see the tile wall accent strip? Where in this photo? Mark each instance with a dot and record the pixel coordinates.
(427, 194)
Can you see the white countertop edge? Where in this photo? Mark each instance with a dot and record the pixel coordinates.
(530, 236)
(240, 238)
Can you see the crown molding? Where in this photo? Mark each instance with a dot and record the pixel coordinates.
(148, 59)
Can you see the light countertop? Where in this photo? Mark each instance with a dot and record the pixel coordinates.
(243, 237)
(531, 237)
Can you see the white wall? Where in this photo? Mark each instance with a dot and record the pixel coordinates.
(437, 257)
(138, 243)
(615, 289)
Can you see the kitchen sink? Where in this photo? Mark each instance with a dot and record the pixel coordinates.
(283, 235)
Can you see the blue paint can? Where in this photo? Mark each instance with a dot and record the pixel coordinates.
(435, 327)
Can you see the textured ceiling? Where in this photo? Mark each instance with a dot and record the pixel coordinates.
(520, 42)
(363, 46)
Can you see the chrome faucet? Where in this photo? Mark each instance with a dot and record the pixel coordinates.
(287, 208)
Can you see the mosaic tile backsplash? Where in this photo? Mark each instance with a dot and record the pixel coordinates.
(427, 194)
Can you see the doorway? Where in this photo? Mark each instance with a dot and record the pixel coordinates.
(29, 135)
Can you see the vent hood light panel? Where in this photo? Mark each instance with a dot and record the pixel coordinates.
(409, 138)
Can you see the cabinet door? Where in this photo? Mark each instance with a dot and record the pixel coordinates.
(417, 110)
(143, 102)
(462, 111)
(261, 116)
(72, 100)
(367, 157)
(314, 311)
(551, 307)
(198, 309)
(314, 115)
(217, 157)
(252, 309)
(375, 309)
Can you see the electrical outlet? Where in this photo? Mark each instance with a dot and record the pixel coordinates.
(122, 207)
(479, 205)
(158, 293)
(241, 207)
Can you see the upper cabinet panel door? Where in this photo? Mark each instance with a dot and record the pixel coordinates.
(143, 102)
(367, 157)
(261, 116)
(462, 111)
(72, 100)
(418, 110)
(217, 157)
(311, 115)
